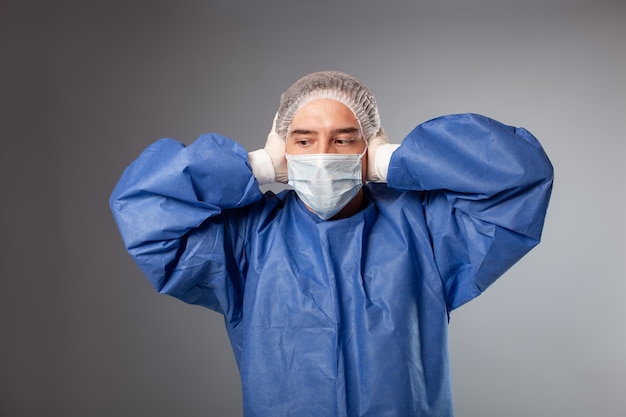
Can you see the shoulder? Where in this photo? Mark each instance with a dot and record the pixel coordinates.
(268, 207)
(391, 202)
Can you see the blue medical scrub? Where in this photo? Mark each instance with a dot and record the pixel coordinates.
(345, 317)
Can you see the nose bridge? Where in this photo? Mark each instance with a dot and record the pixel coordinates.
(323, 143)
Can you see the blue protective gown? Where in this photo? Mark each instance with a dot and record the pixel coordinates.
(346, 317)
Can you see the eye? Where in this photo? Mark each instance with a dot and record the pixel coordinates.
(344, 141)
(302, 138)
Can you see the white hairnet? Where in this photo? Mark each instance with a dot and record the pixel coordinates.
(332, 85)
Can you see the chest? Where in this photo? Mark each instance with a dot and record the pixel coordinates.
(337, 274)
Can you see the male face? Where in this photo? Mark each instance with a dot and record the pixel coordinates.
(328, 126)
(324, 126)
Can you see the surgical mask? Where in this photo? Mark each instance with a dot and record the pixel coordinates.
(325, 182)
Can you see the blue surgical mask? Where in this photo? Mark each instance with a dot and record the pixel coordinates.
(325, 182)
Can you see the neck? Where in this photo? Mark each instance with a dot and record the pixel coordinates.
(354, 206)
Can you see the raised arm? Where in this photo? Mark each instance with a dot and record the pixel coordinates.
(487, 187)
(168, 205)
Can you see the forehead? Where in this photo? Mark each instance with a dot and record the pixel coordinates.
(323, 113)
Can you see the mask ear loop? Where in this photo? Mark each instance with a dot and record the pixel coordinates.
(362, 154)
(367, 143)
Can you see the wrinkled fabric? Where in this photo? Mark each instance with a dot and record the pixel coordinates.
(346, 317)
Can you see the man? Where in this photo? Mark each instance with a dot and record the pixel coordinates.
(336, 295)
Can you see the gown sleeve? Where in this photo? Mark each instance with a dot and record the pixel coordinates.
(170, 207)
(486, 188)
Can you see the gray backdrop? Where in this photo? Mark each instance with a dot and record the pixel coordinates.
(86, 85)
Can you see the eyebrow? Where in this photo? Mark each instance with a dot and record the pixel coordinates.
(300, 132)
(350, 129)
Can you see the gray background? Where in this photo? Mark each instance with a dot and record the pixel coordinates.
(86, 85)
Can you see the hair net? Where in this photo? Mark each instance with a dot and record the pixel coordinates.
(332, 85)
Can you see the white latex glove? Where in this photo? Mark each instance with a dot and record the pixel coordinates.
(269, 164)
(379, 152)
